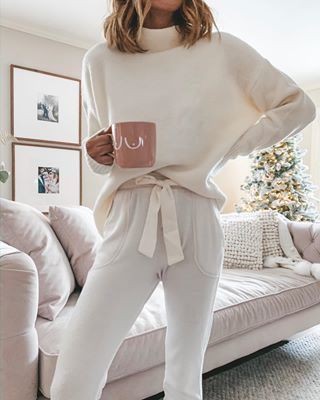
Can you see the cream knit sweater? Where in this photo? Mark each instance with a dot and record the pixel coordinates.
(211, 102)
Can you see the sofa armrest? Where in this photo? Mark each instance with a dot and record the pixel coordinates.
(306, 238)
(19, 297)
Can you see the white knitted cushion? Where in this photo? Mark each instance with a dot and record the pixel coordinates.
(270, 235)
(243, 242)
(270, 241)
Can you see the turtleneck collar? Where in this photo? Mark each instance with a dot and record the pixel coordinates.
(160, 39)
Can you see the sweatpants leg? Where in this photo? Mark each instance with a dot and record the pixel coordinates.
(120, 283)
(108, 305)
(190, 289)
(189, 305)
(111, 300)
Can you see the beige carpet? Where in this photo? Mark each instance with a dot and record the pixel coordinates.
(289, 372)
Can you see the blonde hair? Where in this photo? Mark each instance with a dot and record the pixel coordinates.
(123, 26)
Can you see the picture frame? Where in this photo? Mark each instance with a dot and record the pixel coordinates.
(45, 106)
(41, 175)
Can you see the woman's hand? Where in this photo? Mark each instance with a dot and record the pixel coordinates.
(100, 147)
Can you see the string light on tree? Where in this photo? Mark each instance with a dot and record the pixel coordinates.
(279, 181)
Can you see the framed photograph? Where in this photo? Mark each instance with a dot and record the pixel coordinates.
(45, 107)
(43, 176)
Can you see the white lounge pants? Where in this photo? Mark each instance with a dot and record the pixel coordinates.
(123, 278)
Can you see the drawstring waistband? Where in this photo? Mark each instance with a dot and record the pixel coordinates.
(161, 197)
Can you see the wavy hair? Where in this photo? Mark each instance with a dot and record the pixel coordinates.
(122, 28)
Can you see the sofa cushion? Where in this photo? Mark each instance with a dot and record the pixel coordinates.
(27, 229)
(271, 245)
(6, 249)
(243, 242)
(77, 232)
(245, 245)
(245, 300)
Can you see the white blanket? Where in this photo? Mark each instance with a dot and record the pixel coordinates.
(292, 258)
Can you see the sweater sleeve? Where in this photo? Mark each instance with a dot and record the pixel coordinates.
(285, 108)
(93, 126)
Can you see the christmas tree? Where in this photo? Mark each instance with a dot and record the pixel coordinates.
(278, 181)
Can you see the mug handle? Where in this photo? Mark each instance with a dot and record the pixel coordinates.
(109, 133)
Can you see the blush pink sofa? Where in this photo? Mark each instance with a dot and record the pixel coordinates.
(253, 309)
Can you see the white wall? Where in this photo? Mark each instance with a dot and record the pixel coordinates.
(52, 56)
(36, 52)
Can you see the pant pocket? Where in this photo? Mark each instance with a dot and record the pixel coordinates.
(115, 230)
(208, 239)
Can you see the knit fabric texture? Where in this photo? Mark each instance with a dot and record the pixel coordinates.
(211, 102)
(250, 237)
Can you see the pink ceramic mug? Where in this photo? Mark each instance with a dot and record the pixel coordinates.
(134, 143)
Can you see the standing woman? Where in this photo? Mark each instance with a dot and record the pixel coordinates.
(213, 97)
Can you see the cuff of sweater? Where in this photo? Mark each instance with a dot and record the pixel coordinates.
(93, 164)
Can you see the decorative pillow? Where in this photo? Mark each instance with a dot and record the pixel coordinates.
(271, 243)
(243, 241)
(77, 232)
(27, 229)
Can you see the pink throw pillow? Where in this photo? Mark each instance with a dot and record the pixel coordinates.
(27, 229)
(77, 232)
